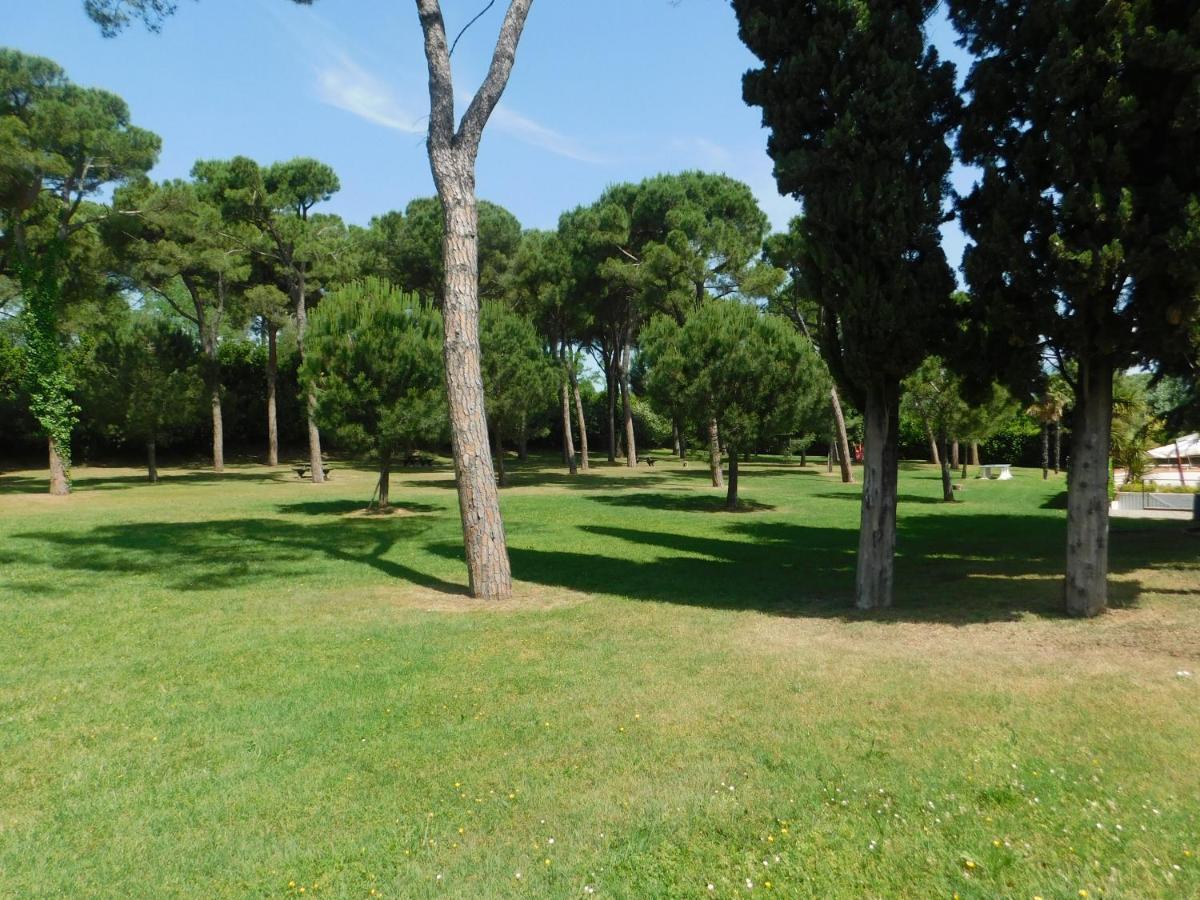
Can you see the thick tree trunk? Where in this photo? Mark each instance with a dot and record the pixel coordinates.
(877, 531)
(316, 464)
(935, 456)
(731, 493)
(272, 382)
(1057, 446)
(947, 485)
(385, 482)
(498, 450)
(152, 461)
(583, 439)
(954, 455)
(611, 392)
(479, 503)
(568, 440)
(218, 430)
(1087, 492)
(1045, 451)
(675, 438)
(714, 455)
(627, 405)
(974, 454)
(60, 482)
(839, 421)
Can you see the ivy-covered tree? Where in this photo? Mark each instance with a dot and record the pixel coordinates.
(59, 145)
(518, 375)
(374, 366)
(730, 363)
(859, 107)
(1084, 227)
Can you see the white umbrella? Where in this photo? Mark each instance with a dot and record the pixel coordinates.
(1180, 448)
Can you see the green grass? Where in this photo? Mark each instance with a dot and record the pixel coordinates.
(239, 686)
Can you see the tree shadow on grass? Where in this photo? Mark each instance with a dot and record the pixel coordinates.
(856, 496)
(996, 568)
(231, 553)
(26, 484)
(680, 501)
(350, 507)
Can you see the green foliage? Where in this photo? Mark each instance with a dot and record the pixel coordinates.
(749, 371)
(373, 354)
(859, 107)
(518, 377)
(1085, 223)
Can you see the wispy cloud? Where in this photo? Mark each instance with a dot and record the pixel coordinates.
(343, 83)
(535, 134)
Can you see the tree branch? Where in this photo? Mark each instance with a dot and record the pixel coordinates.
(441, 81)
(470, 130)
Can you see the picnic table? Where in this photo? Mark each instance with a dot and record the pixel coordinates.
(302, 471)
(999, 471)
(417, 459)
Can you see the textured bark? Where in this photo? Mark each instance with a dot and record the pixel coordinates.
(1045, 450)
(60, 484)
(627, 406)
(1057, 446)
(583, 440)
(218, 429)
(975, 453)
(714, 455)
(152, 461)
(947, 485)
(935, 456)
(498, 449)
(954, 455)
(611, 394)
(568, 439)
(877, 532)
(843, 439)
(385, 482)
(316, 465)
(731, 493)
(208, 342)
(272, 381)
(1087, 492)
(452, 154)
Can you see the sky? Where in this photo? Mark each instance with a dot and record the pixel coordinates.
(603, 91)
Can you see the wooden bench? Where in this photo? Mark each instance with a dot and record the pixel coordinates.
(998, 471)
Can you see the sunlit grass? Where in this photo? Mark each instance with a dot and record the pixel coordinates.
(243, 686)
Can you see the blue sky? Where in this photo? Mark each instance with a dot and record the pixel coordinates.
(603, 91)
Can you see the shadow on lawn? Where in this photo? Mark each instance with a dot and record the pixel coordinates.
(25, 484)
(680, 502)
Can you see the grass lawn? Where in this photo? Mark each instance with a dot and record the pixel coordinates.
(242, 686)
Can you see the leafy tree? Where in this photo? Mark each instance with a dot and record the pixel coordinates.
(518, 376)
(59, 145)
(278, 200)
(728, 362)
(374, 366)
(176, 245)
(142, 383)
(1084, 226)
(407, 248)
(859, 107)
(270, 306)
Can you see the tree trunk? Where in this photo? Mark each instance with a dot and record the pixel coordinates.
(934, 456)
(60, 482)
(877, 531)
(152, 461)
(843, 439)
(218, 430)
(1057, 446)
(316, 464)
(714, 454)
(272, 381)
(947, 486)
(974, 454)
(831, 451)
(498, 445)
(731, 493)
(479, 503)
(611, 392)
(675, 438)
(568, 440)
(583, 440)
(954, 455)
(1087, 492)
(627, 404)
(1045, 451)
(385, 481)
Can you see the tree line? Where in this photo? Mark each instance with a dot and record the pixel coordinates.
(1080, 118)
